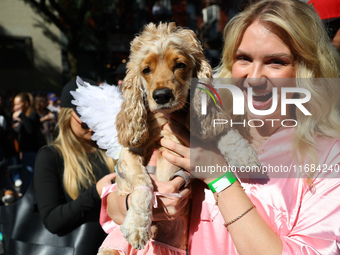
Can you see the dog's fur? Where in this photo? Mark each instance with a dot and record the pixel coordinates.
(162, 62)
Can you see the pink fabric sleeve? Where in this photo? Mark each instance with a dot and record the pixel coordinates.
(105, 221)
(316, 230)
(116, 241)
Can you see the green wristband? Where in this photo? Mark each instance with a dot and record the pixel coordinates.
(222, 182)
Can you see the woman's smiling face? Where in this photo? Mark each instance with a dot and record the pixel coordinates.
(261, 62)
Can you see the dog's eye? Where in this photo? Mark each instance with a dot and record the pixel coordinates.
(146, 70)
(180, 65)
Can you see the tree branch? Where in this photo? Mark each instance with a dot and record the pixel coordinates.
(61, 13)
(43, 8)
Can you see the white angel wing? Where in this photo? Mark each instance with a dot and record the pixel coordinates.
(98, 107)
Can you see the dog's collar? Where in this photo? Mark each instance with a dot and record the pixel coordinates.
(121, 175)
(138, 151)
(149, 169)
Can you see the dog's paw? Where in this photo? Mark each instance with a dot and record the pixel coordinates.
(136, 229)
(249, 157)
(237, 150)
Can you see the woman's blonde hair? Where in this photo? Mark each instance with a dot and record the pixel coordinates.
(301, 29)
(78, 171)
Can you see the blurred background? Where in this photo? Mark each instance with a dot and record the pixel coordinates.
(45, 43)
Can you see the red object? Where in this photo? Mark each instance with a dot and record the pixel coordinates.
(327, 9)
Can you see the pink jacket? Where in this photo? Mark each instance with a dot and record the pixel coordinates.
(306, 218)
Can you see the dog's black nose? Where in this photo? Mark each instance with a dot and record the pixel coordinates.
(162, 96)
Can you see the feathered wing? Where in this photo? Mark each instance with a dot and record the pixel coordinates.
(98, 107)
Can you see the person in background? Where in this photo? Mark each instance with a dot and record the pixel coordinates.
(53, 104)
(120, 73)
(70, 173)
(7, 153)
(26, 124)
(329, 12)
(47, 118)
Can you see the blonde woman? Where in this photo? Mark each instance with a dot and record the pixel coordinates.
(26, 124)
(274, 44)
(70, 174)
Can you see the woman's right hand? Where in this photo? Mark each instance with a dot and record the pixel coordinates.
(170, 207)
(16, 119)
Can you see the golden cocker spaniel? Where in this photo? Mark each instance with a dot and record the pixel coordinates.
(163, 60)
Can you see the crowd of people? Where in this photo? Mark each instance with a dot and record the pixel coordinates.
(27, 122)
(266, 45)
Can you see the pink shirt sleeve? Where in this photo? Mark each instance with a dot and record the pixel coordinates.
(105, 221)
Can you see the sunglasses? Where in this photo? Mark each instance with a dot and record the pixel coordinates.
(82, 124)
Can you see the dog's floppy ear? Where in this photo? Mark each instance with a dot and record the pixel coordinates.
(202, 125)
(204, 69)
(131, 121)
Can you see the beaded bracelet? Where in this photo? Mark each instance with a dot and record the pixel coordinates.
(240, 216)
